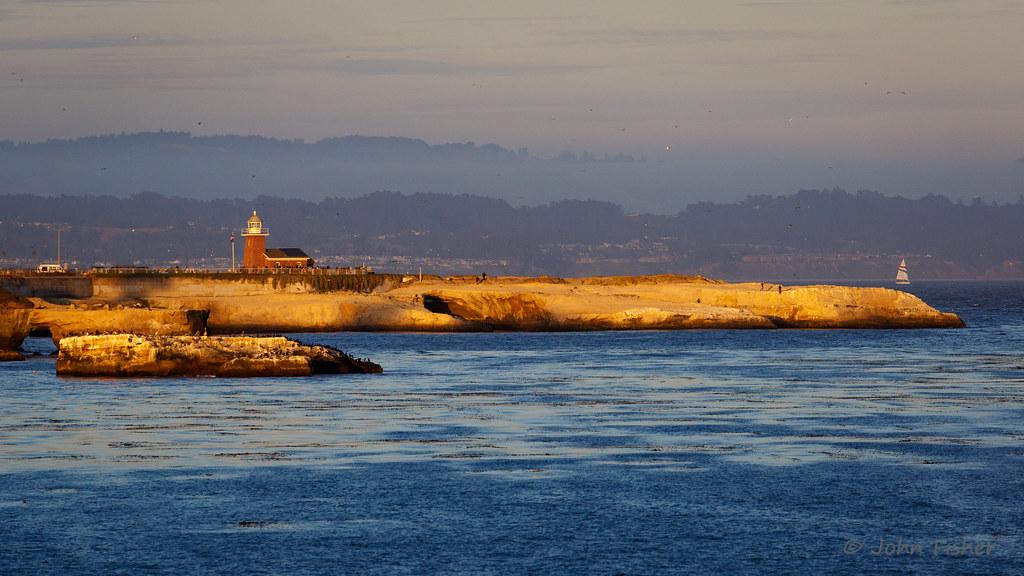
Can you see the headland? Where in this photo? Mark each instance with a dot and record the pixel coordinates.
(166, 303)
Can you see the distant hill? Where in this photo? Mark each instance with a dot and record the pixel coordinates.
(811, 234)
(208, 167)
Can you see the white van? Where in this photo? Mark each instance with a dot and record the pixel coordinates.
(49, 268)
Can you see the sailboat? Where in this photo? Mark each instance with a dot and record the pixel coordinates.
(901, 273)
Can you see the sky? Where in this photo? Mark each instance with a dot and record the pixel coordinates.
(739, 97)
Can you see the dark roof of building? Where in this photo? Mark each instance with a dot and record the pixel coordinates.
(284, 253)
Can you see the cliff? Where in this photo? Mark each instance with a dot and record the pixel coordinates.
(15, 315)
(318, 313)
(81, 319)
(666, 302)
(126, 355)
(602, 303)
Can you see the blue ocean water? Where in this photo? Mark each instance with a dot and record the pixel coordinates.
(766, 452)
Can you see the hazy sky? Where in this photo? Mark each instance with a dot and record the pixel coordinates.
(903, 96)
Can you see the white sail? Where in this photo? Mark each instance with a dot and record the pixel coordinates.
(901, 273)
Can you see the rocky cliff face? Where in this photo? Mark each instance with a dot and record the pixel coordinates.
(78, 319)
(318, 313)
(670, 303)
(127, 355)
(15, 315)
(613, 303)
(836, 307)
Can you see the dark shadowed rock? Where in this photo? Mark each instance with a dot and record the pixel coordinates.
(15, 316)
(10, 355)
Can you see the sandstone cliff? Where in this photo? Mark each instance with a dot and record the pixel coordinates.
(671, 303)
(318, 313)
(81, 319)
(130, 355)
(15, 314)
(612, 303)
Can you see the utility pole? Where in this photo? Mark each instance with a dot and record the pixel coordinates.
(58, 247)
(232, 251)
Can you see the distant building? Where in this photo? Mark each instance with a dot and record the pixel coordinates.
(287, 258)
(257, 255)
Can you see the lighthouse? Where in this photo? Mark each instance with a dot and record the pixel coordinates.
(255, 243)
(257, 255)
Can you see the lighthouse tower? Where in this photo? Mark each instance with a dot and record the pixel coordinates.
(255, 243)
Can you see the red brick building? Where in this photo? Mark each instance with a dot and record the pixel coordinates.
(257, 255)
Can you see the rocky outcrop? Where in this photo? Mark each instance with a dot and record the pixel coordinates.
(127, 355)
(606, 303)
(671, 303)
(82, 319)
(10, 356)
(544, 311)
(319, 313)
(15, 315)
(836, 307)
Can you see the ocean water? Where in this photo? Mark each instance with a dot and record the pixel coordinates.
(766, 452)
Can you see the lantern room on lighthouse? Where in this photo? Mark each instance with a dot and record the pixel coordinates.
(257, 255)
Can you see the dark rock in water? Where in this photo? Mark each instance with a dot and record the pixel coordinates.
(129, 355)
(328, 360)
(10, 355)
(254, 524)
